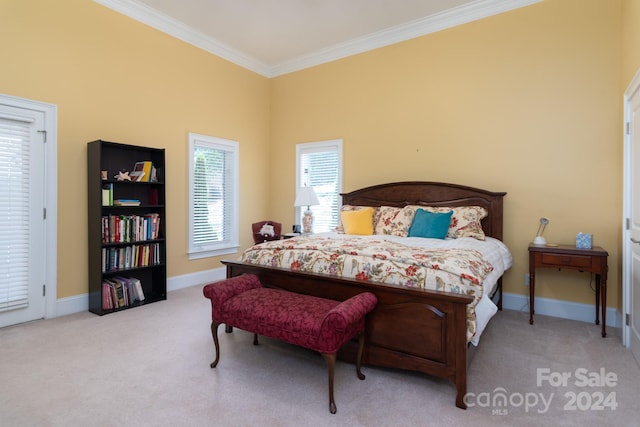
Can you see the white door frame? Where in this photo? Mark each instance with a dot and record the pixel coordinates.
(51, 194)
(627, 281)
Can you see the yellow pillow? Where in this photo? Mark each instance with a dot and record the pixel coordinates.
(358, 222)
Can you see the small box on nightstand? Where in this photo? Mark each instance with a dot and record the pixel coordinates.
(584, 241)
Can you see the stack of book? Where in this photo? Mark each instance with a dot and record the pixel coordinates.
(126, 202)
(128, 257)
(120, 292)
(130, 228)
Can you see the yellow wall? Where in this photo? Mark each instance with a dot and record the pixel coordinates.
(527, 102)
(113, 78)
(630, 40)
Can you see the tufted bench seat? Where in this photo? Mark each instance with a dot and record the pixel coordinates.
(318, 324)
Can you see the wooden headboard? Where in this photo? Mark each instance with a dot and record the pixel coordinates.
(424, 193)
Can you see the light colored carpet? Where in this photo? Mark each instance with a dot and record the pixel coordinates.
(149, 366)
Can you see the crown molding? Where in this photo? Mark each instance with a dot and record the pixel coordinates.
(450, 18)
(155, 19)
(473, 11)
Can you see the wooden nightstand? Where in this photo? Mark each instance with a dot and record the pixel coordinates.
(593, 260)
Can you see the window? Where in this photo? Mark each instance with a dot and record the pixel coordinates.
(319, 165)
(213, 196)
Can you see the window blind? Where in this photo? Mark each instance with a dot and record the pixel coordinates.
(213, 195)
(15, 141)
(320, 167)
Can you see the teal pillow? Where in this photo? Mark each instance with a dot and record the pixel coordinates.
(430, 224)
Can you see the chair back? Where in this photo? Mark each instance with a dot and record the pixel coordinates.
(265, 231)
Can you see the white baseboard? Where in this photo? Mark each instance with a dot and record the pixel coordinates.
(199, 278)
(544, 306)
(563, 309)
(80, 303)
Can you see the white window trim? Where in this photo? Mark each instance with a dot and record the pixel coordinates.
(232, 245)
(318, 146)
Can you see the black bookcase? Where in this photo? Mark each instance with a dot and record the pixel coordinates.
(127, 244)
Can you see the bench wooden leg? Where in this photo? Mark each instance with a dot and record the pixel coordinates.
(331, 364)
(214, 334)
(359, 357)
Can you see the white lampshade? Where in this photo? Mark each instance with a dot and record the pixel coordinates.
(306, 197)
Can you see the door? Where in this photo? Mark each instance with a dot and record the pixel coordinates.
(631, 244)
(22, 222)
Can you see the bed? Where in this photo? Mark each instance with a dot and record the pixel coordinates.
(413, 327)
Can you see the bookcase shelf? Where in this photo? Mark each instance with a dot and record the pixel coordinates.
(127, 244)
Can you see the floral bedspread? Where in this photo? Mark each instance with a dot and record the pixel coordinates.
(456, 270)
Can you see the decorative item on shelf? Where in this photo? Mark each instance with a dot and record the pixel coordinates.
(307, 197)
(104, 175)
(123, 176)
(584, 241)
(539, 240)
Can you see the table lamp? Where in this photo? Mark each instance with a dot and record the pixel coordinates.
(307, 197)
(539, 240)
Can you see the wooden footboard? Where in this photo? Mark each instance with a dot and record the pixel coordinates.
(412, 329)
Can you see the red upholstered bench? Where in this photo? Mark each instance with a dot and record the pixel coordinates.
(314, 323)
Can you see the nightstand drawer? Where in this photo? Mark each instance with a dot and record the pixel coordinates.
(566, 260)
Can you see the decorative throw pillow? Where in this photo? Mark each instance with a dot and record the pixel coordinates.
(465, 222)
(430, 224)
(394, 221)
(358, 221)
(348, 208)
(468, 222)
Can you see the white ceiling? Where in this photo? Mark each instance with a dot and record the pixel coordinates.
(274, 37)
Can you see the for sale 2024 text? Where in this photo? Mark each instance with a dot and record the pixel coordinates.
(597, 395)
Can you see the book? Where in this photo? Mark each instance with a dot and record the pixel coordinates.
(137, 289)
(152, 221)
(106, 197)
(112, 288)
(152, 199)
(106, 296)
(126, 202)
(119, 292)
(107, 194)
(142, 171)
(136, 175)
